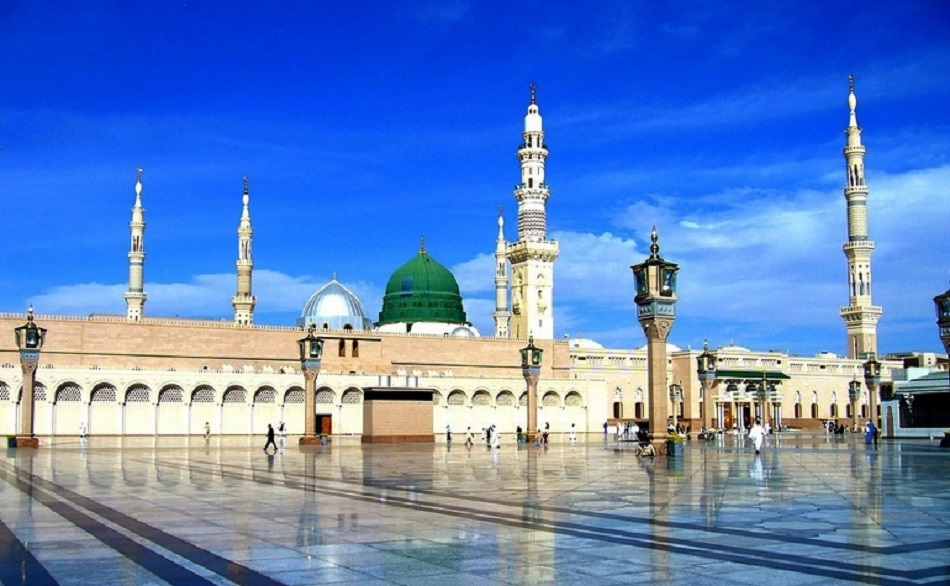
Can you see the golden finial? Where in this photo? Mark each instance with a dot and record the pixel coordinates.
(654, 244)
(246, 183)
(851, 81)
(534, 89)
(422, 245)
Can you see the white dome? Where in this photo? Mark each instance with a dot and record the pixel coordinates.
(584, 344)
(733, 348)
(334, 307)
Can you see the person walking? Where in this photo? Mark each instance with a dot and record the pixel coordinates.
(870, 433)
(448, 434)
(469, 440)
(496, 437)
(282, 436)
(207, 430)
(270, 438)
(82, 430)
(757, 435)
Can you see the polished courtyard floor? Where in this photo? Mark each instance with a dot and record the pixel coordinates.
(810, 510)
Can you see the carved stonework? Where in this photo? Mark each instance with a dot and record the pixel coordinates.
(656, 329)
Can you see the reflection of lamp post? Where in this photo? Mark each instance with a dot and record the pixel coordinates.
(854, 393)
(311, 352)
(676, 395)
(531, 370)
(29, 340)
(942, 305)
(872, 378)
(706, 370)
(655, 281)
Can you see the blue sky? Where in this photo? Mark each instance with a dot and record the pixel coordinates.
(366, 125)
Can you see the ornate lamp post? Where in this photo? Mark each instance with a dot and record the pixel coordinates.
(655, 281)
(942, 305)
(531, 370)
(676, 395)
(762, 394)
(872, 378)
(706, 364)
(29, 340)
(311, 353)
(854, 393)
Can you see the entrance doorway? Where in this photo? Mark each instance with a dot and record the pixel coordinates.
(324, 424)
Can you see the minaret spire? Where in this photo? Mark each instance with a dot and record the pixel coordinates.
(244, 301)
(501, 314)
(532, 255)
(135, 296)
(860, 316)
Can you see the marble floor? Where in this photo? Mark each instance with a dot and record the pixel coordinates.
(809, 510)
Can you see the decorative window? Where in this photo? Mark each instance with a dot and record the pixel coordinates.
(234, 395)
(68, 393)
(436, 398)
(456, 398)
(203, 394)
(138, 394)
(265, 395)
(171, 394)
(103, 393)
(505, 399)
(294, 396)
(573, 399)
(481, 399)
(325, 396)
(4, 392)
(523, 400)
(352, 397)
(551, 399)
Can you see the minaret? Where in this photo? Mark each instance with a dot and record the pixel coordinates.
(135, 296)
(243, 301)
(532, 256)
(502, 315)
(860, 316)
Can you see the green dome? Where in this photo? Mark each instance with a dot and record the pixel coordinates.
(422, 290)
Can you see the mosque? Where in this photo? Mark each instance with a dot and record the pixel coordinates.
(144, 375)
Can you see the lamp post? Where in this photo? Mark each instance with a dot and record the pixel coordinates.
(676, 395)
(942, 305)
(872, 378)
(531, 370)
(29, 340)
(655, 281)
(762, 394)
(311, 353)
(706, 370)
(854, 393)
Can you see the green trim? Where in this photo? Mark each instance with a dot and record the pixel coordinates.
(752, 374)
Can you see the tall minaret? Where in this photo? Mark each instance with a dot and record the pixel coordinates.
(502, 315)
(532, 256)
(135, 296)
(243, 301)
(860, 316)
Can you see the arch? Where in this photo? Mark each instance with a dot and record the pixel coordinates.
(481, 399)
(171, 394)
(265, 394)
(234, 394)
(457, 397)
(505, 399)
(352, 396)
(104, 410)
(39, 393)
(138, 393)
(436, 398)
(325, 395)
(294, 396)
(523, 399)
(68, 392)
(814, 410)
(203, 394)
(798, 410)
(551, 399)
(573, 399)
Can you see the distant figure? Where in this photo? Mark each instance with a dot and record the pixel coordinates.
(448, 434)
(573, 434)
(757, 435)
(282, 435)
(605, 429)
(270, 438)
(520, 431)
(496, 437)
(469, 440)
(870, 433)
(207, 430)
(82, 430)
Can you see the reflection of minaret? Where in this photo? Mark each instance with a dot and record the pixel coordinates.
(502, 315)
(532, 256)
(243, 301)
(860, 316)
(135, 296)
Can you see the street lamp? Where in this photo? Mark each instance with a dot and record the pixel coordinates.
(29, 340)
(762, 393)
(531, 370)
(311, 353)
(942, 305)
(655, 281)
(676, 395)
(872, 378)
(706, 364)
(854, 393)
